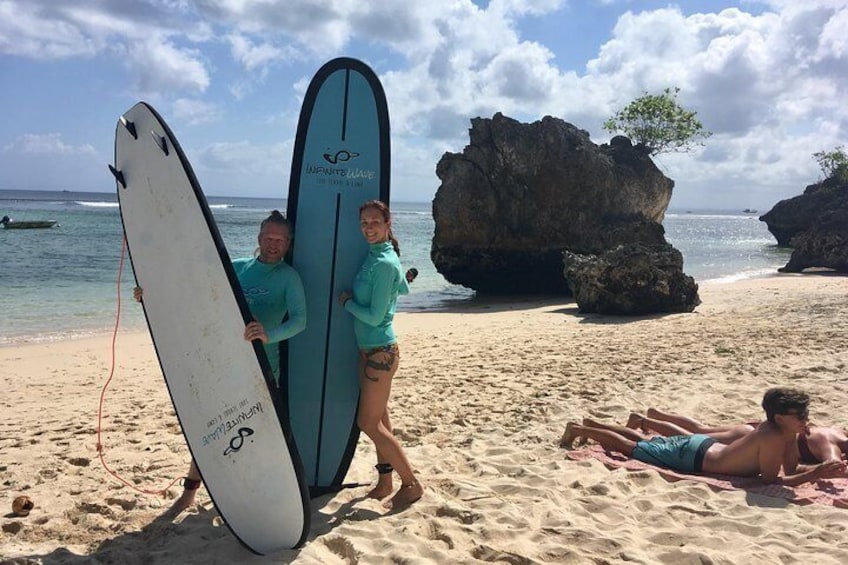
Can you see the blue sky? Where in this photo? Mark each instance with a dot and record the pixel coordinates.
(768, 77)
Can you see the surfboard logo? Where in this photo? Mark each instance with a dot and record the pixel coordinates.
(237, 442)
(341, 156)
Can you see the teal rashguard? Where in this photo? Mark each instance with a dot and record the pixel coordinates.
(375, 291)
(271, 290)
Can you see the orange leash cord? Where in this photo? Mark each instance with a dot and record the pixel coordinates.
(109, 380)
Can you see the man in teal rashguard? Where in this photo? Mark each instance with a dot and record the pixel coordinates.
(272, 289)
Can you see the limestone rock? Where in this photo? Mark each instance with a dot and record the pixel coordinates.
(823, 245)
(815, 225)
(519, 194)
(632, 279)
(794, 215)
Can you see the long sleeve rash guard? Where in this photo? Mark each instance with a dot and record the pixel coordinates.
(271, 290)
(375, 291)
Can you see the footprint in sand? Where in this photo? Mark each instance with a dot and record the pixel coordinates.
(123, 503)
(464, 516)
(436, 534)
(79, 461)
(492, 555)
(49, 473)
(13, 527)
(94, 508)
(343, 548)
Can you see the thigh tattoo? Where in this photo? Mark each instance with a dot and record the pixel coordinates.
(380, 359)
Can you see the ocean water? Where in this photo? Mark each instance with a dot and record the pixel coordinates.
(63, 282)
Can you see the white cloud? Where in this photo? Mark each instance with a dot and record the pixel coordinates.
(24, 32)
(320, 25)
(258, 56)
(46, 144)
(157, 65)
(196, 112)
(833, 42)
(37, 161)
(243, 168)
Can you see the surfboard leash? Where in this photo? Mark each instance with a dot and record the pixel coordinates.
(100, 446)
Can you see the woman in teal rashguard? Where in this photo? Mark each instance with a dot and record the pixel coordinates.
(271, 288)
(372, 303)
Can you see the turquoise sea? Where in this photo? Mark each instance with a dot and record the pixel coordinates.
(62, 282)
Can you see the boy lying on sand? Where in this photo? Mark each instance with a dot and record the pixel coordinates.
(816, 444)
(762, 452)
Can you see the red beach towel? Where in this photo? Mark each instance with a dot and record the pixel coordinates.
(832, 492)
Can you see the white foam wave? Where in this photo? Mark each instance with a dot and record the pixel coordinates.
(753, 274)
(90, 204)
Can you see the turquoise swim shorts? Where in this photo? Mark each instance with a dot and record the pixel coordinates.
(678, 453)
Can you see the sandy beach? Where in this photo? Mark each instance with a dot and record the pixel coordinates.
(481, 399)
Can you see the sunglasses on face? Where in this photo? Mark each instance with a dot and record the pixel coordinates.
(802, 415)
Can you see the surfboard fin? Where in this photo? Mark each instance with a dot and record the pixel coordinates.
(130, 127)
(119, 176)
(161, 142)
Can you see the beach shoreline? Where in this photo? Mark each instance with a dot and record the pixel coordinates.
(479, 403)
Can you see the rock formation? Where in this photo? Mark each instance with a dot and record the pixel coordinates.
(815, 225)
(631, 279)
(519, 194)
(823, 245)
(792, 216)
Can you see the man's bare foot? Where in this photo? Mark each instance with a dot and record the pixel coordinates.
(652, 414)
(185, 500)
(406, 495)
(635, 422)
(568, 437)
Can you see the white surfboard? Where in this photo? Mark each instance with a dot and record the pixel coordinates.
(219, 383)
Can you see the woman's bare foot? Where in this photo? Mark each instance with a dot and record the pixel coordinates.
(568, 437)
(406, 495)
(383, 489)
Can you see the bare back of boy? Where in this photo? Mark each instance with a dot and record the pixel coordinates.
(762, 452)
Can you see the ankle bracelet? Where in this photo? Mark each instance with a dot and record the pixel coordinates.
(384, 468)
(191, 484)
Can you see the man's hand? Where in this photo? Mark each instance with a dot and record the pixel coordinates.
(254, 330)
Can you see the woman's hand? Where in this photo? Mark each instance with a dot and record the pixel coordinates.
(138, 294)
(254, 330)
(344, 297)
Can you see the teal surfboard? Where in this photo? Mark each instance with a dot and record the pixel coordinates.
(340, 160)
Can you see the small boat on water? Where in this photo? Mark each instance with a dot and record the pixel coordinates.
(749, 211)
(11, 224)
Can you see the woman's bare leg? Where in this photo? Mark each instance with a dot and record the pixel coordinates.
(376, 382)
(384, 469)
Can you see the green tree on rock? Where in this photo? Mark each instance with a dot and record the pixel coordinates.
(659, 123)
(833, 163)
